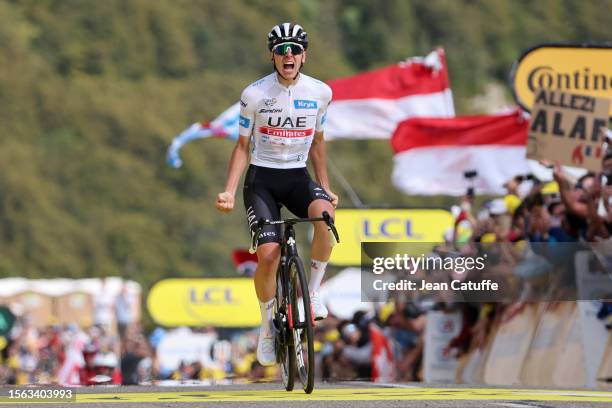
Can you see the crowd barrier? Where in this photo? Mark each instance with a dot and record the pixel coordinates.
(541, 344)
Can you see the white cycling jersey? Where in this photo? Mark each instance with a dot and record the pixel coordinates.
(281, 121)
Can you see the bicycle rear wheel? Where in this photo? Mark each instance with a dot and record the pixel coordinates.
(303, 324)
(285, 350)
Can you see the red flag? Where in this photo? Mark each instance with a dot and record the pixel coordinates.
(433, 153)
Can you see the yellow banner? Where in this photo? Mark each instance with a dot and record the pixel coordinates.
(381, 225)
(204, 302)
(573, 69)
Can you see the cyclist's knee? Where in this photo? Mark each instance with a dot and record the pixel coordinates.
(316, 208)
(268, 255)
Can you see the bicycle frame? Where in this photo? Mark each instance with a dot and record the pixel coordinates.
(288, 251)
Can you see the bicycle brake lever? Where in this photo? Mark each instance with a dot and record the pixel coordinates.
(334, 231)
(260, 225)
(331, 226)
(253, 247)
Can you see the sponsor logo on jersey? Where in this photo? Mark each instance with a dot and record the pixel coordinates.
(259, 82)
(275, 110)
(304, 104)
(244, 122)
(289, 133)
(270, 102)
(300, 122)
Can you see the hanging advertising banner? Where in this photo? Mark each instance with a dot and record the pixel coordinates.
(204, 302)
(386, 225)
(573, 68)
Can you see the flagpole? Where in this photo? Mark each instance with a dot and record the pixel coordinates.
(345, 185)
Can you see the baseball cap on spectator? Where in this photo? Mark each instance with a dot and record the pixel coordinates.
(512, 202)
(488, 238)
(332, 335)
(498, 207)
(385, 311)
(550, 188)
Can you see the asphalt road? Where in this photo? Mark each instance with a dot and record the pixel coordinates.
(336, 395)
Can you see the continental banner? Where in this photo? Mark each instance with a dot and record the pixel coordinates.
(385, 225)
(577, 69)
(204, 302)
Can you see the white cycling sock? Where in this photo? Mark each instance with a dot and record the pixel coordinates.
(267, 310)
(317, 270)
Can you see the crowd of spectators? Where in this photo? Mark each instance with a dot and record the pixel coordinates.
(531, 235)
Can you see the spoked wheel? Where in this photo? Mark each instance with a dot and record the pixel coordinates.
(302, 324)
(285, 351)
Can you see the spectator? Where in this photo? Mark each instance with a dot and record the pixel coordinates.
(103, 308)
(124, 309)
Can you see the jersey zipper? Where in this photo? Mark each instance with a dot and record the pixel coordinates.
(290, 110)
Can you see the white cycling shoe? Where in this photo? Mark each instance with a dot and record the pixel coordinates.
(318, 308)
(266, 352)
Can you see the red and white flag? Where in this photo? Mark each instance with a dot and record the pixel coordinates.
(432, 154)
(371, 104)
(383, 364)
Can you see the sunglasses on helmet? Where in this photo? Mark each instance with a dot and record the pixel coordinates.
(283, 49)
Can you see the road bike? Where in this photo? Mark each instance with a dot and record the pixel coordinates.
(293, 318)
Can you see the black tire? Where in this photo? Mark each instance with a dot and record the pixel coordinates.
(303, 336)
(285, 350)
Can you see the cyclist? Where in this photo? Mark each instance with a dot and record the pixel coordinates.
(282, 116)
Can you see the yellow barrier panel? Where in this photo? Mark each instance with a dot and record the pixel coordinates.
(204, 302)
(381, 225)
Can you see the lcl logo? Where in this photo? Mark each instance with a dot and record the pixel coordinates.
(390, 228)
(213, 296)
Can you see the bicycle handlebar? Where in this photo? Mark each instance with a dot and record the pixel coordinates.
(325, 217)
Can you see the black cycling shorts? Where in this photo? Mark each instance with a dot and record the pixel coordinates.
(266, 190)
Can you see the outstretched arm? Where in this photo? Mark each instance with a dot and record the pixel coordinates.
(318, 157)
(238, 162)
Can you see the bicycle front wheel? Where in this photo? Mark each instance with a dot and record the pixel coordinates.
(303, 324)
(285, 350)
